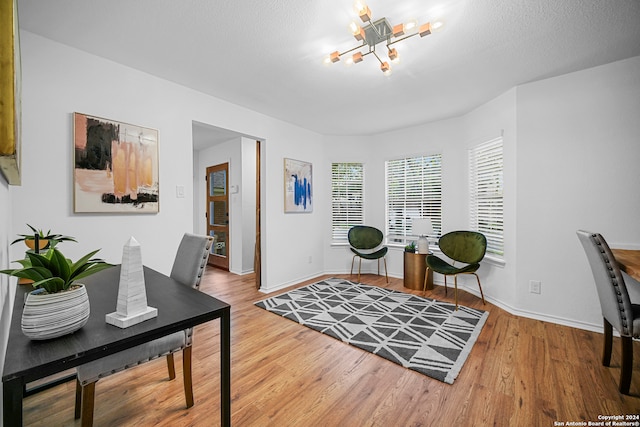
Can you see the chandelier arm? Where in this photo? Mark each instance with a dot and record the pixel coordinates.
(376, 55)
(352, 49)
(400, 39)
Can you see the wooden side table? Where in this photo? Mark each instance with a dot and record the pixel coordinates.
(414, 270)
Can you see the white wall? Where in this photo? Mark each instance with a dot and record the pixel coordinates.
(578, 168)
(248, 197)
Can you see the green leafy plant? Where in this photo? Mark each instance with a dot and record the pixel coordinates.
(53, 239)
(53, 272)
(411, 247)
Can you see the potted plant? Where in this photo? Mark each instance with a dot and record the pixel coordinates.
(44, 240)
(59, 305)
(411, 247)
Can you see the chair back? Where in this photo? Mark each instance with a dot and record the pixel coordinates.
(365, 237)
(191, 259)
(464, 246)
(612, 291)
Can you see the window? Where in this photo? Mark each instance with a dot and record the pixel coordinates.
(413, 190)
(486, 194)
(347, 202)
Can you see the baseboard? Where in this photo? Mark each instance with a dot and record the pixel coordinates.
(291, 283)
(474, 291)
(532, 314)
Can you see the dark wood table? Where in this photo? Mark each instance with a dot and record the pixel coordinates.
(629, 261)
(179, 307)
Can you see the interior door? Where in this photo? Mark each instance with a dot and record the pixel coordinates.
(218, 214)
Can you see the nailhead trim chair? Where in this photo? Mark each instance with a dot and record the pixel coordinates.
(620, 304)
(467, 247)
(188, 268)
(365, 243)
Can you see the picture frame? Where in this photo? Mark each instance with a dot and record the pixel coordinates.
(115, 166)
(298, 186)
(10, 94)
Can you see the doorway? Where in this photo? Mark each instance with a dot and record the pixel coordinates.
(218, 214)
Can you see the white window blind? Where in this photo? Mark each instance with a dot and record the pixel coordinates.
(413, 190)
(486, 193)
(347, 200)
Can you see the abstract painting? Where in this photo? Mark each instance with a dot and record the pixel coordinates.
(298, 190)
(115, 166)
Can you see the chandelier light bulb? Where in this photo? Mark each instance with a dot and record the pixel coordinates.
(437, 25)
(359, 6)
(410, 25)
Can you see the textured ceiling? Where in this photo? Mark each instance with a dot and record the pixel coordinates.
(266, 55)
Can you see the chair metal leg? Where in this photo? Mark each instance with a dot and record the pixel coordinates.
(378, 262)
(455, 291)
(186, 374)
(480, 286)
(424, 285)
(627, 364)
(445, 285)
(385, 268)
(608, 343)
(359, 267)
(352, 261)
(171, 366)
(88, 402)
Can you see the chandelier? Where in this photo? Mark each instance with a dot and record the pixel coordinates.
(375, 33)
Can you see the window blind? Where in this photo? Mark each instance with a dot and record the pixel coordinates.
(413, 190)
(347, 199)
(486, 193)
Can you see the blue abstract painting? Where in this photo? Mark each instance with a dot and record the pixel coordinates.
(298, 189)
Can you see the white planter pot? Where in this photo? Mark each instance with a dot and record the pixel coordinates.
(53, 315)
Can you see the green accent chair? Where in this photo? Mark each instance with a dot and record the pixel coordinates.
(467, 247)
(365, 243)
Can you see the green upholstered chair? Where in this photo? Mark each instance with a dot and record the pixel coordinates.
(366, 243)
(467, 247)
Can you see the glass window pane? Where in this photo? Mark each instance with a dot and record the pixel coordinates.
(219, 246)
(218, 213)
(218, 183)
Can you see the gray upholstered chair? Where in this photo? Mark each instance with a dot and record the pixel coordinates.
(188, 267)
(365, 242)
(467, 247)
(619, 296)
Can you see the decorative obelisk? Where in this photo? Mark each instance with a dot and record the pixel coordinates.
(132, 296)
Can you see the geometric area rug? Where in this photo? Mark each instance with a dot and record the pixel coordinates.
(422, 334)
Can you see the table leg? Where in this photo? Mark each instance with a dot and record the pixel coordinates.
(12, 402)
(225, 367)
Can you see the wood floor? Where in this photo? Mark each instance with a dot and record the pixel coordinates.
(521, 372)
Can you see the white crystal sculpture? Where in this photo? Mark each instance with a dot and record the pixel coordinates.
(132, 296)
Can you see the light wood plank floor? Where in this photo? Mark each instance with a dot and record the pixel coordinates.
(521, 372)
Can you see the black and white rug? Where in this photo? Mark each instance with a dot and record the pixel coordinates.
(422, 334)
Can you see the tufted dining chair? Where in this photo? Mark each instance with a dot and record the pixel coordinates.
(365, 242)
(466, 247)
(619, 296)
(188, 267)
